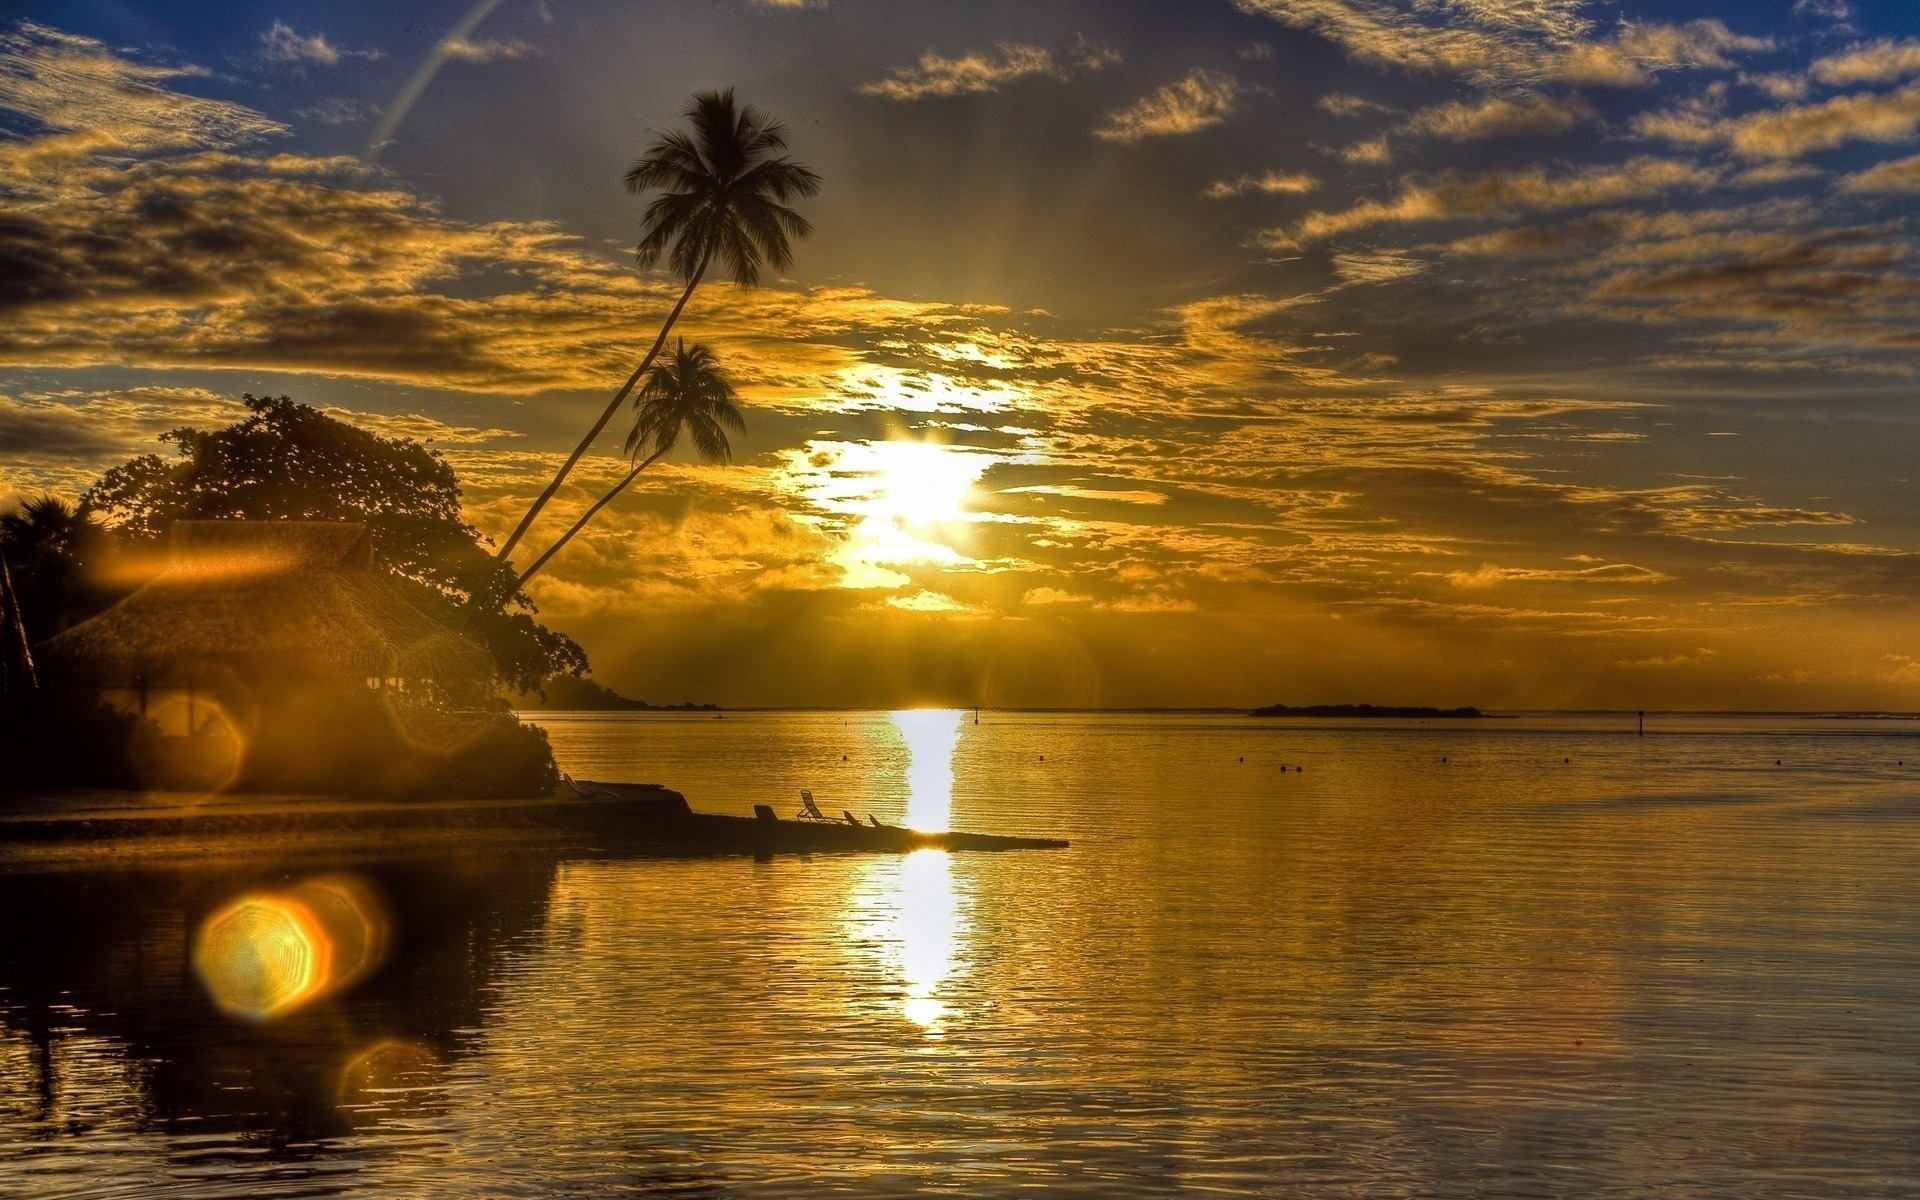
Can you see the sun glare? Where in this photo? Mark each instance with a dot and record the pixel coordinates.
(914, 484)
(903, 502)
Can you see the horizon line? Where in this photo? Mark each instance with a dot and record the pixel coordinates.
(1228, 708)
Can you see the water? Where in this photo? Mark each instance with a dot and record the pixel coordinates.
(1661, 967)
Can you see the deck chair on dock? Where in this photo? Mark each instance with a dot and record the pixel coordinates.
(809, 811)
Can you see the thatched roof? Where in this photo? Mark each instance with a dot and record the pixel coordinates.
(267, 599)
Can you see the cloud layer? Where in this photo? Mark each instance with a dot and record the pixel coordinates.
(1428, 408)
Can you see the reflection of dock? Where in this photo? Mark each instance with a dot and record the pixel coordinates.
(658, 821)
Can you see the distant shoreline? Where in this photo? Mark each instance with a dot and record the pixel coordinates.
(1369, 711)
(565, 693)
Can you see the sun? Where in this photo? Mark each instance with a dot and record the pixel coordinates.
(919, 484)
(902, 501)
(914, 486)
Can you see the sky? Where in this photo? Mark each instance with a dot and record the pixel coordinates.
(1517, 353)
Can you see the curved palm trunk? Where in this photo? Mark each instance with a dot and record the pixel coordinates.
(619, 398)
(599, 504)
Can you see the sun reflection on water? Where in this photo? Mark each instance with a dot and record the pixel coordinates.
(913, 904)
(929, 927)
(911, 915)
(931, 734)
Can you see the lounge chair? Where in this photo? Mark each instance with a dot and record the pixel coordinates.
(809, 811)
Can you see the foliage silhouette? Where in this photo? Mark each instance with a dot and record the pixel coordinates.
(289, 461)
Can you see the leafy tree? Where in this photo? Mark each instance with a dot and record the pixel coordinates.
(689, 391)
(288, 461)
(724, 192)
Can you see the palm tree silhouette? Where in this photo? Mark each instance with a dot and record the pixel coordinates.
(49, 546)
(688, 391)
(724, 191)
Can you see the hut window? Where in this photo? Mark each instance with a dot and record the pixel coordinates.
(372, 682)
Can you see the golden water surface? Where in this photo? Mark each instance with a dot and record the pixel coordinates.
(1533, 956)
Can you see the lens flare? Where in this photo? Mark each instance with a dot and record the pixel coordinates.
(262, 956)
(423, 75)
(391, 1076)
(189, 743)
(931, 735)
(266, 954)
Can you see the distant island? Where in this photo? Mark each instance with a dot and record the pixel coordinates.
(1363, 710)
(569, 693)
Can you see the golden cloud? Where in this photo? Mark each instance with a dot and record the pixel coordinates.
(1269, 183)
(1895, 175)
(969, 74)
(1495, 42)
(1200, 101)
(1883, 61)
(1239, 456)
(1499, 116)
(1453, 195)
(1794, 130)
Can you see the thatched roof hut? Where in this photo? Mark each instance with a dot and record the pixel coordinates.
(264, 600)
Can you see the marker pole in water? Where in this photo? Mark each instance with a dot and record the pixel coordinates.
(1643, 722)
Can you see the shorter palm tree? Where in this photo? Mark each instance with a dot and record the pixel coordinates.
(687, 392)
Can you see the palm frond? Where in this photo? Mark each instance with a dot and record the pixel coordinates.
(709, 441)
(724, 184)
(781, 178)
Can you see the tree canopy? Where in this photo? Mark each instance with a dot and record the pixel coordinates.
(289, 461)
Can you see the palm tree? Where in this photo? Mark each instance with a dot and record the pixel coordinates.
(689, 391)
(724, 191)
(51, 548)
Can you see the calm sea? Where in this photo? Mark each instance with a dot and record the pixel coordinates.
(1537, 956)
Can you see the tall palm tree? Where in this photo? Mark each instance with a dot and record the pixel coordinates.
(724, 191)
(688, 391)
